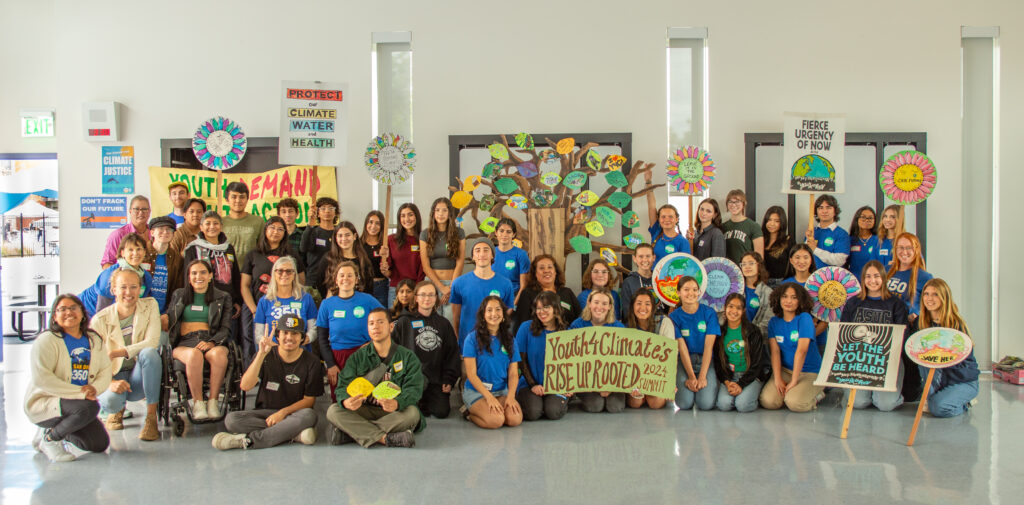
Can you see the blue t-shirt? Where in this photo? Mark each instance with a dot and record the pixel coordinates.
(664, 245)
(885, 252)
(160, 281)
(583, 323)
(753, 302)
(511, 264)
(267, 312)
(791, 279)
(787, 336)
(615, 299)
(831, 240)
(80, 353)
(861, 252)
(179, 220)
(534, 346)
(346, 319)
(491, 367)
(469, 291)
(90, 297)
(693, 328)
(898, 286)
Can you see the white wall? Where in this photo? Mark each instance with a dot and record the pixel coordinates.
(481, 67)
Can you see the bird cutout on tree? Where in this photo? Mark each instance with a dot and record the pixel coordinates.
(547, 182)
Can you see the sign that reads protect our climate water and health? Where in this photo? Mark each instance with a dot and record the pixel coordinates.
(314, 123)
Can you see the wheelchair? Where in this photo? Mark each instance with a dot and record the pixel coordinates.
(175, 412)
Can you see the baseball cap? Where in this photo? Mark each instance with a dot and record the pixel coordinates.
(176, 184)
(291, 322)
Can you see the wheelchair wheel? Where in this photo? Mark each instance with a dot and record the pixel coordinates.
(179, 424)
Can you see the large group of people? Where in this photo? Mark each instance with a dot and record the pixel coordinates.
(398, 330)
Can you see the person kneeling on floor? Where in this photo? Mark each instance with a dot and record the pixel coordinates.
(377, 417)
(290, 380)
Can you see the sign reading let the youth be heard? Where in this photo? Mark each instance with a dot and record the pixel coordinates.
(615, 360)
(862, 356)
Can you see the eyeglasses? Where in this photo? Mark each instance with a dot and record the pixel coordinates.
(276, 228)
(67, 309)
(426, 295)
(748, 264)
(140, 210)
(285, 271)
(734, 202)
(866, 218)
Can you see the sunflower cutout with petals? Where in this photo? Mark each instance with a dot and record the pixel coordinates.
(219, 143)
(690, 170)
(830, 288)
(907, 177)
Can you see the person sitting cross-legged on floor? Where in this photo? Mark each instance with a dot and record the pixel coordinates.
(290, 380)
(373, 418)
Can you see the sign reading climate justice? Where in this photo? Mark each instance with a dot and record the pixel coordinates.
(314, 123)
(606, 359)
(862, 356)
(812, 153)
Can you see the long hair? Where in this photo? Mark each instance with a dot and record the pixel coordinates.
(83, 325)
(451, 233)
(661, 231)
(588, 282)
(263, 244)
(531, 281)
(716, 220)
(949, 313)
(782, 237)
(877, 265)
(855, 225)
(790, 271)
(679, 288)
(609, 318)
(336, 256)
(415, 305)
(897, 229)
(400, 233)
(746, 328)
(397, 308)
(762, 272)
(190, 293)
(547, 299)
(915, 266)
(272, 287)
(641, 324)
(382, 235)
(483, 335)
(804, 302)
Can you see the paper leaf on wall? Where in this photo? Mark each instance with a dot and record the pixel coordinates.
(506, 185)
(593, 160)
(543, 197)
(630, 219)
(605, 216)
(575, 180)
(524, 140)
(616, 161)
(550, 179)
(619, 200)
(472, 182)
(594, 228)
(609, 256)
(487, 203)
(581, 244)
(498, 151)
(491, 169)
(487, 226)
(461, 199)
(587, 198)
(527, 169)
(616, 179)
(632, 240)
(517, 201)
(565, 145)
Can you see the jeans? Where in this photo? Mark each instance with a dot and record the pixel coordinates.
(446, 309)
(380, 291)
(594, 402)
(392, 293)
(952, 400)
(254, 423)
(249, 345)
(705, 398)
(886, 401)
(78, 425)
(144, 380)
(746, 401)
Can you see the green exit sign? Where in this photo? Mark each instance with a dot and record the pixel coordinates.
(37, 125)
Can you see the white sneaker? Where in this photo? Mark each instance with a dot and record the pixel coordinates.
(225, 441)
(37, 438)
(212, 409)
(199, 410)
(306, 437)
(54, 449)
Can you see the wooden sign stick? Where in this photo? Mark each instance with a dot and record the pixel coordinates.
(387, 211)
(690, 227)
(220, 195)
(849, 412)
(920, 406)
(810, 213)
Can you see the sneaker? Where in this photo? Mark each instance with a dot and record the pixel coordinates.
(400, 439)
(37, 438)
(212, 409)
(337, 437)
(127, 414)
(115, 421)
(149, 431)
(54, 449)
(972, 403)
(225, 441)
(306, 437)
(199, 410)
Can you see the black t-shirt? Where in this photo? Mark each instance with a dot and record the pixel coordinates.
(282, 384)
(373, 252)
(260, 267)
(316, 242)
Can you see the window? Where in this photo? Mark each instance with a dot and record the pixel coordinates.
(687, 78)
(392, 103)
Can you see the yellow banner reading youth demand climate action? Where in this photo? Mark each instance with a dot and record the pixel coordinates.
(606, 359)
(266, 189)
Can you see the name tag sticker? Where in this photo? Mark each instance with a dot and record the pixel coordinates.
(339, 313)
(855, 248)
(414, 248)
(488, 386)
(197, 308)
(273, 386)
(321, 241)
(417, 324)
(566, 305)
(399, 366)
(295, 305)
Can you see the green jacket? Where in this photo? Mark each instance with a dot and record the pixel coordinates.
(402, 365)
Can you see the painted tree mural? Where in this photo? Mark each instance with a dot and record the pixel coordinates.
(547, 185)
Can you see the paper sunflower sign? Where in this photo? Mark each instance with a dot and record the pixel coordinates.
(219, 143)
(812, 158)
(390, 159)
(690, 171)
(830, 288)
(907, 177)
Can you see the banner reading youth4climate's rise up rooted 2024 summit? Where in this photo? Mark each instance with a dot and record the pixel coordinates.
(607, 359)
(812, 154)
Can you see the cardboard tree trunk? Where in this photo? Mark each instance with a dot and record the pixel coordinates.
(547, 233)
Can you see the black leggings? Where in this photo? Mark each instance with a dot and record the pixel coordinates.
(434, 402)
(78, 424)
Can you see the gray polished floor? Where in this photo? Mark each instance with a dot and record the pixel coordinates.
(639, 457)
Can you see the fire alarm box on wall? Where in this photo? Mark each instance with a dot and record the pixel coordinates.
(101, 120)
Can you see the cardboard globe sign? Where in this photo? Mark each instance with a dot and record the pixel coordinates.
(724, 278)
(938, 347)
(830, 288)
(670, 269)
(908, 177)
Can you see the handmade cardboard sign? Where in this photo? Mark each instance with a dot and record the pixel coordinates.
(607, 359)
(690, 170)
(830, 288)
(862, 356)
(673, 267)
(907, 177)
(724, 279)
(813, 148)
(938, 347)
(390, 159)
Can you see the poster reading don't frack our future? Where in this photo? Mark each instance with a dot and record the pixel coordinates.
(607, 359)
(812, 153)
